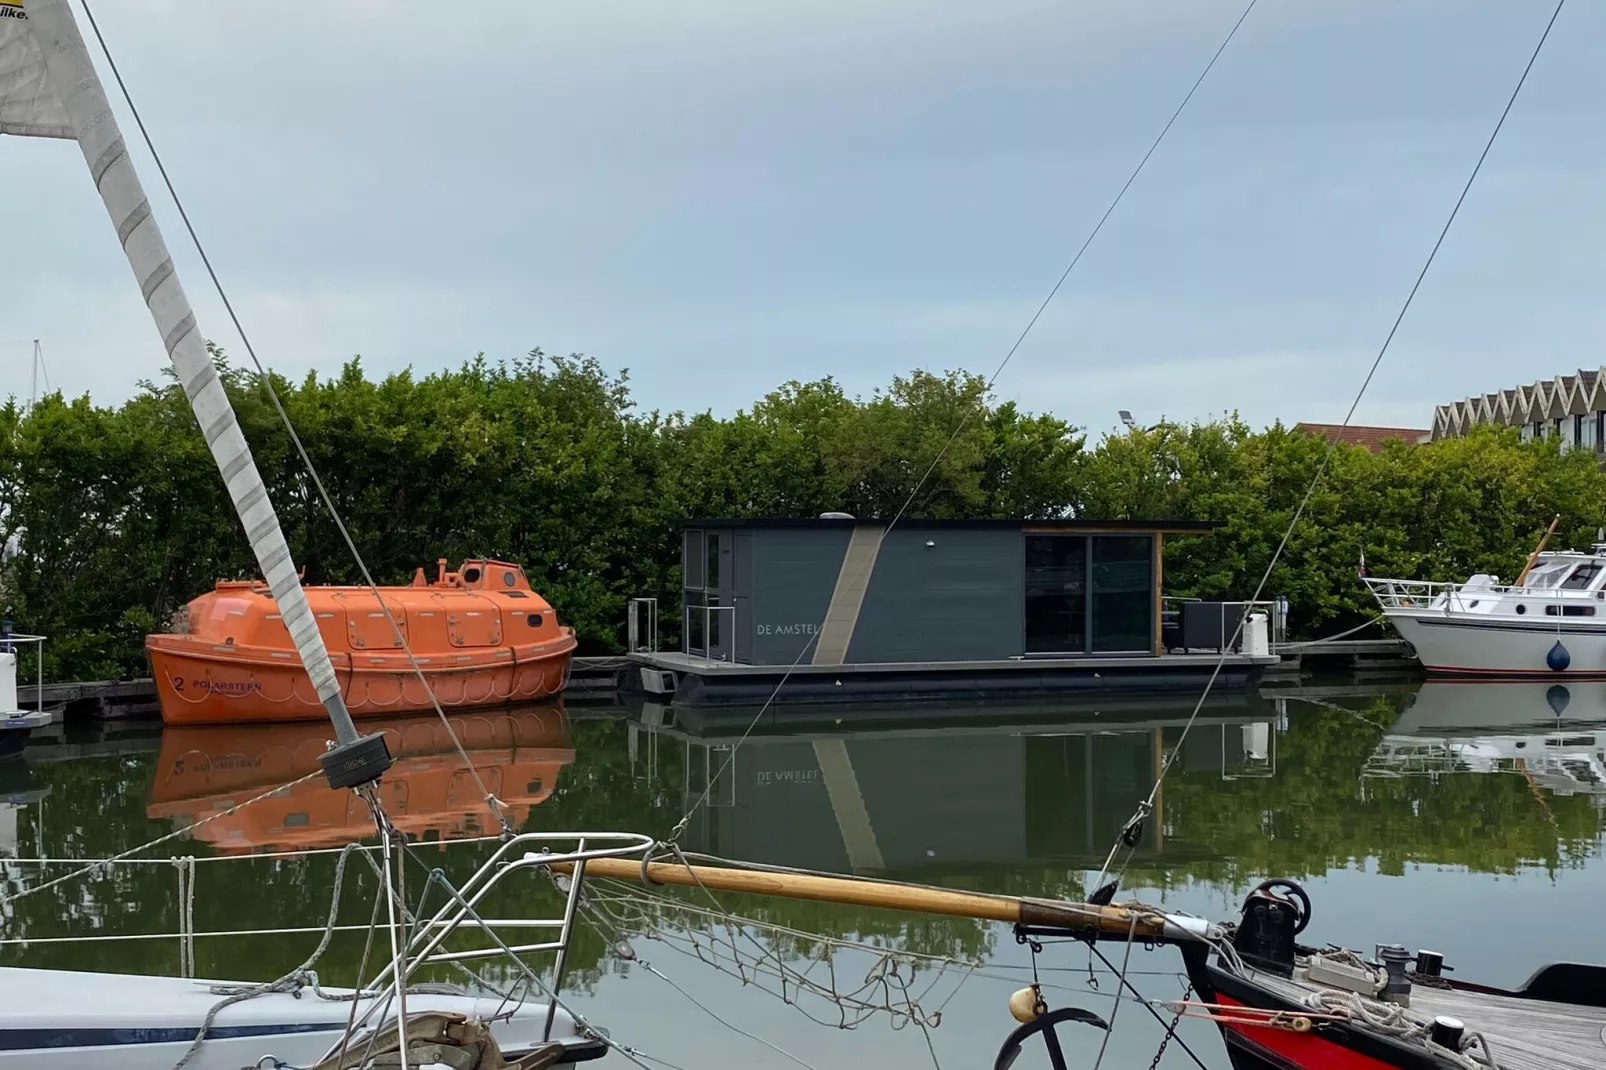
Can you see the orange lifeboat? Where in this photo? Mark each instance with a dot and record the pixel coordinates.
(428, 793)
(480, 636)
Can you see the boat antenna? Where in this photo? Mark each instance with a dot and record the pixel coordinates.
(970, 411)
(1131, 832)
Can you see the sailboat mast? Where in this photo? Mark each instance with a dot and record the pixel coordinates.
(355, 759)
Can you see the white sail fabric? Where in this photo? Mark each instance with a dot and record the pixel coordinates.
(28, 106)
(83, 102)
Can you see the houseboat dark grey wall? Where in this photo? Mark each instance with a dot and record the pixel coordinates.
(834, 609)
(840, 591)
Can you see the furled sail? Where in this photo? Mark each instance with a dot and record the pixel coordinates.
(48, 67)
(28, 106)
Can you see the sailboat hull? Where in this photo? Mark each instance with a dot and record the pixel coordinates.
(55, 1019)
(1468, 645)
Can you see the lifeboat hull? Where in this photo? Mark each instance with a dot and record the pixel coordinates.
(477, 637)
(198, 683)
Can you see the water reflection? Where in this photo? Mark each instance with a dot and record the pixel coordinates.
(1528, 730)
(1024, 798)
(1023, 784)
(200, 772)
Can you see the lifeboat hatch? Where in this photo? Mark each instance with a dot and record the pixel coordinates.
(368, 627)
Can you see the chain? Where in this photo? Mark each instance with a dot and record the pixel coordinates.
(1171, 1030)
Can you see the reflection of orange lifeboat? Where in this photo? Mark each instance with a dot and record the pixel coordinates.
(203, 771)
(481, 636)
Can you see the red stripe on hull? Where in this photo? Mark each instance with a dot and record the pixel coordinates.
(1307, 1051)
(1498, 674)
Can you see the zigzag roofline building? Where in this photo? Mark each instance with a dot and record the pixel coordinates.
(1571, 407)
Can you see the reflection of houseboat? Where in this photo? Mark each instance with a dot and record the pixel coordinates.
(1053, 782)
(480, 636)
(202, 771)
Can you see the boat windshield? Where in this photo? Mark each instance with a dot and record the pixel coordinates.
(1583, 576)
(1548, 574)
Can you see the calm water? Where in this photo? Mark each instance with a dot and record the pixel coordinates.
(1448, 817)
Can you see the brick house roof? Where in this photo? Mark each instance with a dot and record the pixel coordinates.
(1370, 437)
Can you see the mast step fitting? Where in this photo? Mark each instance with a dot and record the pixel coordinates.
(351, 765)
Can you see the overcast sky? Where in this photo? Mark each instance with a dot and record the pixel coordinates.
(722, 195)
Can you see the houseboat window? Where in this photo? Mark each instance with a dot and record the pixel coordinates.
(691, 564)
(1583, 576)
(1056, 594)
(1123, 599)
(712, 582)
(1570, 611)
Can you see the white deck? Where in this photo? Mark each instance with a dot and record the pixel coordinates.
(58, 1019)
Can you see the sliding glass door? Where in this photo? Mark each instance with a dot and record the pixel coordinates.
(1056, 594)
(1089, 594)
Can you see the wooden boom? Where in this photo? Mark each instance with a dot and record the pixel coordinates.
(1140, 922)
(1534, 557)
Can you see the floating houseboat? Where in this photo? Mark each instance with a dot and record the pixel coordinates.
(479, 637)
(839, 609)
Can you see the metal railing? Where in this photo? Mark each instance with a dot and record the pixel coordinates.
(1462, 597)
(641, 626)
(1234, 623)
(9, 642)
(710, 638)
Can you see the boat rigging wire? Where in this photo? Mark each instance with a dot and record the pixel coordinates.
(266, 381)
(1147, 806)
(175, 834)
(970, 411)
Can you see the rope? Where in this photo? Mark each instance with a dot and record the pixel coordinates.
(294, 981)
(186, 915)
(1330, 638)
(1334, 443)
(175, 834)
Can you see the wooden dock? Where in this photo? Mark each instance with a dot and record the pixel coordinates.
(1366, 658)
(590, 680)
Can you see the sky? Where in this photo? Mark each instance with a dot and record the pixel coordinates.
(721, 196)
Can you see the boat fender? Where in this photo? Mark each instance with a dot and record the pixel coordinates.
(1558, 658)
(1558, 698)
(1027, 1005)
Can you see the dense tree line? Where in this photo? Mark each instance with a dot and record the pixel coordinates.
(116, 516)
